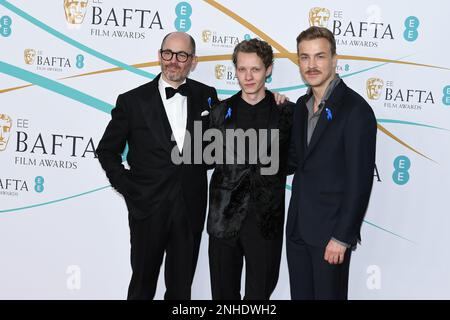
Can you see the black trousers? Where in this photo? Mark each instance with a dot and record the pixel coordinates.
(165, 232)
(313, 278)
(262, 263)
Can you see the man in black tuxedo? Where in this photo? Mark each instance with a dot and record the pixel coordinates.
(332, 153)
(166, 202)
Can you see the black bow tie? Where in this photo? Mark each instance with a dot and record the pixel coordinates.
(183, 90)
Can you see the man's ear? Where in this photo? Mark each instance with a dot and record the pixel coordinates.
(269, 71)
(194, 63)
(335, 61)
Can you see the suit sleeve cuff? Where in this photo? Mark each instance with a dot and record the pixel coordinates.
(341, 243)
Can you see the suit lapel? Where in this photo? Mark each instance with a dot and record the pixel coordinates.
(328, 115)
(191, 116)
(322, 125)
(302, 125)
(155, 115)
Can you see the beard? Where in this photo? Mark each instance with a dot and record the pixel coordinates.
(174, 72)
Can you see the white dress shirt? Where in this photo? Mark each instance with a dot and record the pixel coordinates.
(176, 110)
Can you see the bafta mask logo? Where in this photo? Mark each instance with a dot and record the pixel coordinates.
(319, 17)
(206, 36)
(374, 88)
(29, 55)
(5, 130)
(75, 10)
(220, 71)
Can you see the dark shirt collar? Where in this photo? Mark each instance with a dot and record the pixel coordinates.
(331, 86)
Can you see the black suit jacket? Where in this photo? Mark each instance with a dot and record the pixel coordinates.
(153, 181)
(234, 186)
(334, 174)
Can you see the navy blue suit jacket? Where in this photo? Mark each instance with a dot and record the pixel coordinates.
(333, 176)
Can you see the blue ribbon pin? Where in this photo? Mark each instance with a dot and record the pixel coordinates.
(209, 102)
(228, 115)
(329, 114)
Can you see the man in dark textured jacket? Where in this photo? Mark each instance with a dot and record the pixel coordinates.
(246, 206)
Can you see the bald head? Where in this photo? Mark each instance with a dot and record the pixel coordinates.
(182, 38)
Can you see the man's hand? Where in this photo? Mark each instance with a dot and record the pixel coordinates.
(334, 252)
(280, 98)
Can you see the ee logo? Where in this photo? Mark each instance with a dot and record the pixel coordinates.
(80, 61)
(402, 164)
(412, 24)
(39, 184)
(5, 26)
(183, 11)
(446, 98)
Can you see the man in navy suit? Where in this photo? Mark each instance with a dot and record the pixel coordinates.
(332, 155)
(166, 202)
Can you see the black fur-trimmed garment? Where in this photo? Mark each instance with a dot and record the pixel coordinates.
(237, 188)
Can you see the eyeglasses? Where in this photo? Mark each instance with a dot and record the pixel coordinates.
(181, 56)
